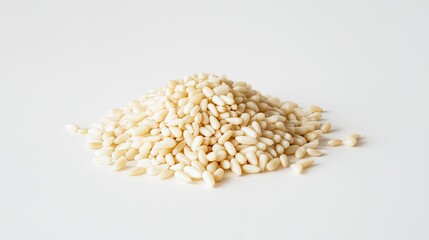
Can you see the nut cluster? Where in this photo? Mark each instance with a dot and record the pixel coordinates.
(202, 125)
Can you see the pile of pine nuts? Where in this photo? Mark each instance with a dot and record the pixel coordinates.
(202, 125)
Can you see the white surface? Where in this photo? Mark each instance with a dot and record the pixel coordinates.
(366, 62)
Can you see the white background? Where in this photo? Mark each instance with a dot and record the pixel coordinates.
(365, 62)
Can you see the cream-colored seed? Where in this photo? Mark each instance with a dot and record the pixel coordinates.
(177, 167)
(247, 168)
(303, 164)
(251, 158)
(82, 130)
(316, 109)
(120, 164)
(246, 140)
(235, 167)
(229, 147)
(314, 152)
(355, 135)
(182, 177)
(193, 172)
(153, 171)
(296, 167)
(166, 143)
(208, 178)
(137, 171)
(326, 127)
(218, 174)
(300, 152)
(335, 142)
(284, 160)
(273, 164)
(225, 164)
(234, 121)
(263, 160)
(212, 166)
(351, 142)
(164, 174)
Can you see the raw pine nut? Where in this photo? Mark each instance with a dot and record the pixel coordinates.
(153, 171)
(166, 143)
(225, 164)
(351, 142)
(246, 140)
(137, 171)
(235, 121)
(251, 158)
(316, 109)
(284, 160)
(300, 165)
(314, 152)
(335, 142)
(182, 177)
(247, 168)
(355, 135)
(300, 152)
(235, 167)
(208, 178)
(326, 127)
(263, 160)
(218, 174)
(82, 130)
(212, 167)
(177, 167)
(164, 174)
(229, 147)
(273, 164)
(198, 165)
(120, 164)
(193, 172)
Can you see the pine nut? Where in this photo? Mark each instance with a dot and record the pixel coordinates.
(351, 142)
(335, 142)
(300, 165)
(208, 178)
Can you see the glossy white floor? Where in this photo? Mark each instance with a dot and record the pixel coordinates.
(363, 61)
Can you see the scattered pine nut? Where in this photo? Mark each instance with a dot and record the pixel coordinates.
(120, 164)
(351, 142)
(218, 174)
(208, 178)
(248, 168)
(82, 131)
(300, 152)
(303, 164)
(355, 135)
(182, 177)
(273, 164)
(314, 152)
(164, 174)
(335, 142)
(153, 171)
(326, 127)
(137, 171)
(316, 109)
(284, 160)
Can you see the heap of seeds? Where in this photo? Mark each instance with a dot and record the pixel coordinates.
(202, 125)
